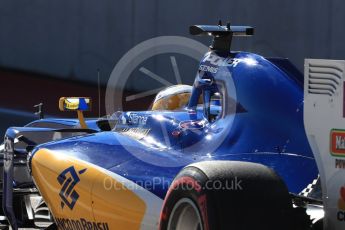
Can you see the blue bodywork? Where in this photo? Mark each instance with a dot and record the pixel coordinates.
(260, 120)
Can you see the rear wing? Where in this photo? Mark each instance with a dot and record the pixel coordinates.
(324, 120)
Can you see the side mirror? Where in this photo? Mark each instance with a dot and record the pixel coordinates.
(78, 104)
(75, 104)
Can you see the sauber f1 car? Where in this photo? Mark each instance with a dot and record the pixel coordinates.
(229, 152)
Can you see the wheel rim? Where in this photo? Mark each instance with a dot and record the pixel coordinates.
(185, 216)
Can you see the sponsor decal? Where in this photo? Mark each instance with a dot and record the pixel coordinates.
(133, 119)
(207, 68)
(341, 205)
(340, 164)
(136, 133)
(79, 224)
(216, 60)
(68, 179)
(137, 119)
(338, 142)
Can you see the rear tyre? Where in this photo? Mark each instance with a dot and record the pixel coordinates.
(226, 195)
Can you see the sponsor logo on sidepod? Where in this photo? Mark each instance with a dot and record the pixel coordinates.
(341, 205)
(68, 179)
(80, 224)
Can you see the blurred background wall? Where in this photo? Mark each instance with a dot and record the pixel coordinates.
(53, 48)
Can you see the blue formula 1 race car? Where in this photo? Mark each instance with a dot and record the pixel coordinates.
(229, 152)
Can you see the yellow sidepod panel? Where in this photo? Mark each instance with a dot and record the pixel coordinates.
(116, 204)
(46, 169)
(81, 195)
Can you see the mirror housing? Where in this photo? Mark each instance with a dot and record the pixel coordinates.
(75, 104)
(78, 104)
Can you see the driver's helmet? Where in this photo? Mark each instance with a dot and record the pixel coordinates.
(172, 98)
